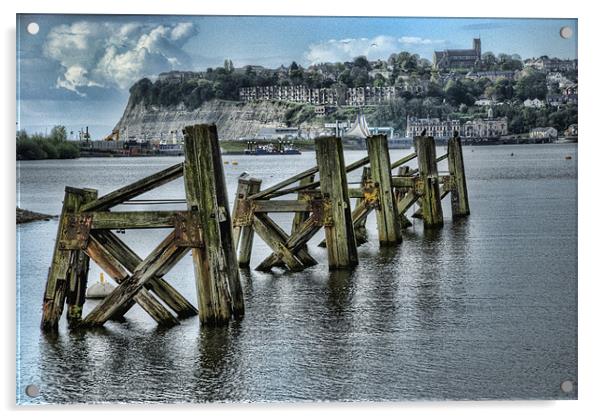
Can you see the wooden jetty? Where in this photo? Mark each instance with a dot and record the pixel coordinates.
(321, 198)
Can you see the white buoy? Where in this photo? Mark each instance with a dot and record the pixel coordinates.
(99, 290)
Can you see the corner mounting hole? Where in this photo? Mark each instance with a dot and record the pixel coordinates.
(33, 28)
(32, 390)
(566, 32)
(567, 386)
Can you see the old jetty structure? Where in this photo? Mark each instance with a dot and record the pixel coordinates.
(319, 198)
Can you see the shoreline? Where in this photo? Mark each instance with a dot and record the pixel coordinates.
(26, 216)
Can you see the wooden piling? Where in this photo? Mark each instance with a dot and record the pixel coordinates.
(243, 234)
(338, 224)
(63, 257)
(432, 214)
(219, 289)
(459, 192)
(387, 218)
(78, 274)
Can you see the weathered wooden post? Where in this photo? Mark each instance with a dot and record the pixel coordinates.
(78, 274)
(338, 224)
(387, 218)
(64, 256)
(243, 234)
(459, 193)
(219, 289)
(432, 214)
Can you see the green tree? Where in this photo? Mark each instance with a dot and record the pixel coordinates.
(58, 133)
(532, 86)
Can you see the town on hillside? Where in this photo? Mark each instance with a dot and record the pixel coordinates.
(486, 98)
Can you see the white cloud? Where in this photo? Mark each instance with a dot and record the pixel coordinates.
(416, 40)
(115, 55)
(373, 48)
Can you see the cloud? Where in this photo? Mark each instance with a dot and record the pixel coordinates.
(110, 55)
(373, 48)
(416, 40)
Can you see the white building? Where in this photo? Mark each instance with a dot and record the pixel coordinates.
(542, 133)
(534, 103)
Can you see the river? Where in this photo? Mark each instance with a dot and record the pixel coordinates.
(485, 308)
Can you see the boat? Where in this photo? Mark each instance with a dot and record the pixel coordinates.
(279, 149)
(566, 140)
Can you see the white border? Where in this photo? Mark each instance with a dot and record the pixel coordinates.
(589, 219)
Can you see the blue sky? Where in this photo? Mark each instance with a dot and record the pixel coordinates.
(77, 69)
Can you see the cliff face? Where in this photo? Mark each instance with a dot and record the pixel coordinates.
(233, 119)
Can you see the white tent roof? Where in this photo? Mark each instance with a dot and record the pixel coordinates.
(359, 129)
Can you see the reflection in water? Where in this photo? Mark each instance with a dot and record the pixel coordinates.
(340, 290)
(217, 368)
(483, 308)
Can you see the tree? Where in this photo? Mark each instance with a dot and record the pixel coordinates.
(361, 62)
(359, 76)
(58, 133)
(379, 81)
(457, 93)
(532, 86)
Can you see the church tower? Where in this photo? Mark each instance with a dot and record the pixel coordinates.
(476, 46)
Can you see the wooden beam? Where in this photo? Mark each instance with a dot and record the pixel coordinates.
(403, 161)
(113, 267)
(285, 246)
(218, 283)
(338, 224)
(361, 210)
(301, 217)
(387, 218)
(267, 233)
(276, 192)
(403, 181)
(406, 202)
(134, 189)
(159, 286)
(459, 198)
(157, 263)
(302, 206)
(133, 219)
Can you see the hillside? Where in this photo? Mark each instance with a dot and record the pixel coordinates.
(233, 119)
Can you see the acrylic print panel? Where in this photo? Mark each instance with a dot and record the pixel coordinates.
(227, 208)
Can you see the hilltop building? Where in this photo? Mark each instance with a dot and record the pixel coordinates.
(444, 128)
(551, 64)
(353, 96)
(458, 58)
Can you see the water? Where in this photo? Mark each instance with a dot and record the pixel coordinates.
(485, 308)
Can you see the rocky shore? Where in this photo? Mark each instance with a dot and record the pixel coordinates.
(25, 216)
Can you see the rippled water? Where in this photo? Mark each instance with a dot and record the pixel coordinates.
(485, 308)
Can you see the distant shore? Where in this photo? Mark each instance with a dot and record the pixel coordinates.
(25, 216)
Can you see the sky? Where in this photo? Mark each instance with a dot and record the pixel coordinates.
(77, 69)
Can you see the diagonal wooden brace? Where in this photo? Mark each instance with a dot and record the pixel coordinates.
(139, 187)
(160, 260)
(295, 244)
(116, 270)
(159, 286)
